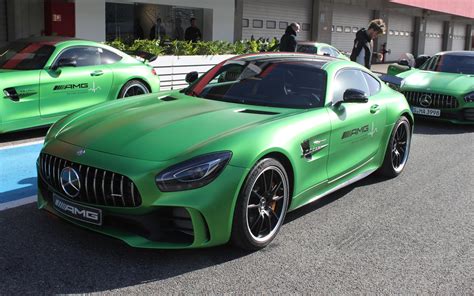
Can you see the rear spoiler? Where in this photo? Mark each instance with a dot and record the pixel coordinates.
(389, 79)
(143, 55)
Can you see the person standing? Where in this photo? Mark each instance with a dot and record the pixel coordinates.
(288, 40)
(157, 31)
(363, 43)
(193, 33)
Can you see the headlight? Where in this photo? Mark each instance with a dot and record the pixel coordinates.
(194, 173)
(469, 98)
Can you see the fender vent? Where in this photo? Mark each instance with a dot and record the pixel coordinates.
(261, 112)
(168, 98)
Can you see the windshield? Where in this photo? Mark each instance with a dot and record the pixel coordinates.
(460, 64)
(287, 84)
(25, 55)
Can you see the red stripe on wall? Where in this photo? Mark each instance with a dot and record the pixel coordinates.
(457, 7)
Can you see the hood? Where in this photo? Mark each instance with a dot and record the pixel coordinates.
(448, 83)
(7, 71)
(154, 129)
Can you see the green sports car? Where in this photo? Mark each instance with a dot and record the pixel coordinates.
(43, 79)
(443, 87)
(225, 158)
(320, 48)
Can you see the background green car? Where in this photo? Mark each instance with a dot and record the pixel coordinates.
(43, 79)
(225, 158)
(443, 87)
(320, 49)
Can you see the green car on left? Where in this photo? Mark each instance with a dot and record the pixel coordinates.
(45, 78)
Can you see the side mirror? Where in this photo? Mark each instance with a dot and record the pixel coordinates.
(404, 63)
(67, 62)
(191, 77)
(355, 96)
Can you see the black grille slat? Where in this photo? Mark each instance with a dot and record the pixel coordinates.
(98, 186)
(439, 101)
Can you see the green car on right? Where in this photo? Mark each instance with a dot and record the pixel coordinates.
(442, 88)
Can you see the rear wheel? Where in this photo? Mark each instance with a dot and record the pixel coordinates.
(261, 206)
(398, 148)
(133, 88)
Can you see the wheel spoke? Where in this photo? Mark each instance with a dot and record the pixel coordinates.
(274, 214)
(277, 198)
(255, 222)
(252, 206)
(277, 187)
(271, 182)
(264, 182)
(270, 228)
(261, 226)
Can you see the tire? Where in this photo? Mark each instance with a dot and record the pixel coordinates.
(261, 206)
(133, 88)
(398, 149)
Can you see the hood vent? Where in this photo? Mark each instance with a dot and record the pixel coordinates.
(261, 112)
(168, 98)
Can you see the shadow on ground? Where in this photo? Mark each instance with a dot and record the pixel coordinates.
(432, 127)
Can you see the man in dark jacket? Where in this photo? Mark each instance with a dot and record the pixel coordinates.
(288, 40)
(363, 43)
(193, 33)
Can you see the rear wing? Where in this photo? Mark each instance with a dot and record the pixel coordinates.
(141, 55)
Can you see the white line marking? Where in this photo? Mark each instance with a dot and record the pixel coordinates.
(22, 145)
(17, 203)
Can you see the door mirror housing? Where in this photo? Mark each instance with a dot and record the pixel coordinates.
(66, 62)
(191, 77)
(352, 95)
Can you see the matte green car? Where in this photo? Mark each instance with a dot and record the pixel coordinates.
(225, 158)
(443, 87)
(320, 48)
(43, 79)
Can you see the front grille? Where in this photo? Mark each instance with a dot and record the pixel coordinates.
(439, 101)
(97, 186)
(469, 114)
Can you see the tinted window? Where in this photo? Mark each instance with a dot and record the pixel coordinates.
(334, 52)
(307, 48)
(346, 79)
(295, 84)
(108, 57)
(372, 83)
(83, 56)
(326, 51)
(449, 63)
(25, 56)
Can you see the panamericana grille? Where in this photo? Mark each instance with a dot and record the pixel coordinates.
(431, 100)
(97, 186)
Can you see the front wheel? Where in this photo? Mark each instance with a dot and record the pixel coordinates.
(133, 88)
(261, 206)
(398, 148)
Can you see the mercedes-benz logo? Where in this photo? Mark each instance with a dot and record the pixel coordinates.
(70, 182)
(425, 100)
(81, 152)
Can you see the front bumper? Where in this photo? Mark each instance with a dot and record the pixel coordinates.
(459, 116)
(187, 219)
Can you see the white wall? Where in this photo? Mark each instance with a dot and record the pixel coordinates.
(90, 16)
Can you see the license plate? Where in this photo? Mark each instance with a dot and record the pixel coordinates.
(77, 211)
(426, 111)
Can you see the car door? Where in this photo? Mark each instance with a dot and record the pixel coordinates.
(75, 80)
(356, 127)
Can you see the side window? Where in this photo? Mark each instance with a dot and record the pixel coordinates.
(335, 52)
(326, 51)
(83, 56)
(108, 57)
(372, 83)
(350, 78)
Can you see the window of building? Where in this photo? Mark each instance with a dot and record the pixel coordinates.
(245, 23)
(347, 29)
(282, 25)
(271, 24)
(257, 23)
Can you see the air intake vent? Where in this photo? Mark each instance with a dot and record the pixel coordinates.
(168, 98)
(261, 112)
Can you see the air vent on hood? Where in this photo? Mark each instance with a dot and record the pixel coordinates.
(261, 112)
(168, 98)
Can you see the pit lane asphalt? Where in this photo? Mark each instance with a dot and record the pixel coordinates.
(411, 234)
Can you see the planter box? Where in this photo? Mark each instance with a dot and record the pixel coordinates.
(173, 69)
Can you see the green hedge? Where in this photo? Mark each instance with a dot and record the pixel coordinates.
(177, 47)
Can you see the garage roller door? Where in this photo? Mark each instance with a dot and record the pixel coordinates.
(3, 22)
(434, 37)
(269, 18)
(400, 36)
(347, 20)
(459, 36)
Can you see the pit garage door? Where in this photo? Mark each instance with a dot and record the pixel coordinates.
(3, 21)
(400, 36)
(434, 37)
(269, 18)
(347, 20)
(459, 36)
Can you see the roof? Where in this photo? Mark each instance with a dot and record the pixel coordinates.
(319, 61)
(458, 53)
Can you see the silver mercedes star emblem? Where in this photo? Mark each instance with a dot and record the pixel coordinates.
(81, 152)
(70, 181)
(425, 100)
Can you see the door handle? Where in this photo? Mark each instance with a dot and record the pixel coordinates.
(97, 73)
(374, 108)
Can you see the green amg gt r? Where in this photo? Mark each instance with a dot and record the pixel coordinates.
(443, 87)
(227, 157)
(43, 79)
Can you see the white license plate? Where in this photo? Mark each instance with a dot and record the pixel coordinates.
(77, 211)
(426, 111)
